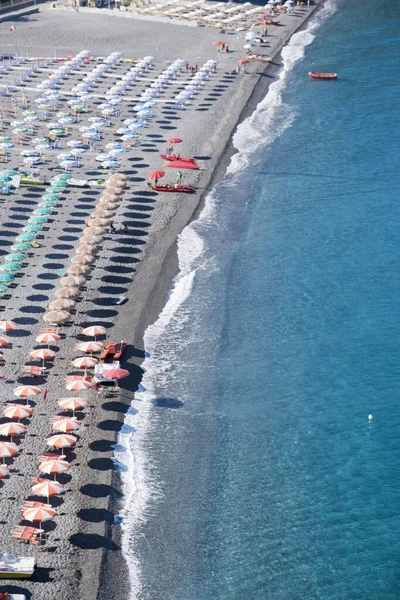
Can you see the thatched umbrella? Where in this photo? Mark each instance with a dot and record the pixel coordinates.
(72, 281)
(93, 231)
(86, 249)
(91, 240)
(83, 259)
(57, 316)
(99, 222)
(117, 190)
(62, 304)
(67, 292)
(103, 213)
(110, 197)
(78, 270)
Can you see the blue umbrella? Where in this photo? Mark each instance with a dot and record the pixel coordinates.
(21, 246)
(62, 176)
(38, 220)
(25, 237)
(3, 288)
(42, 211)
(14, 257)
(10, 267)
(51, 196)
(6, 277)
(33, 227)
(58, 189)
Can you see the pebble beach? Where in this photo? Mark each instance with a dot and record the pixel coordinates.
(82, 557)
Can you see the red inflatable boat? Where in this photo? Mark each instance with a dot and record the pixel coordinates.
(323, 75)
(171, 188)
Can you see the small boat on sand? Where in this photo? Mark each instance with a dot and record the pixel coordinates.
(323, 75)
(16, 567)
(173, 157)
(170, 188)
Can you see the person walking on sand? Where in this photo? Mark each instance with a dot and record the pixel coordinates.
(178, 178)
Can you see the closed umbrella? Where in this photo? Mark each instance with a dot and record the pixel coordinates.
(47, 489)
(8, 449)
(72, 281)
(62, 304)
(57, 316)
(65, 425)
(71, 404)
(17, 411)
(11, 429)
(67, 292)
(48, 338)
(78, 385)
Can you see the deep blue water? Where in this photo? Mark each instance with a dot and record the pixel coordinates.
(271, 482)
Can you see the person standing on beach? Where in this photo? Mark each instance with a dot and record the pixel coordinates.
(178, 178)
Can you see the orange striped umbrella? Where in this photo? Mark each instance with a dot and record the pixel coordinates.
(3, 342)
(65, 425)
(80, 384)
(61, 440)
(3, 471)
(85, 362)
(54, 466)
(8, 325)
(48, 338)
(10, 429)
(17, 411)
(1, 357)
(25, 391)
(72, 404)
(43, 354)
(8, 449)
(90, 347)
(39, 515)
(48, 488)
(94, 331)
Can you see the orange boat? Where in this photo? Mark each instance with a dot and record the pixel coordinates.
(323, 75)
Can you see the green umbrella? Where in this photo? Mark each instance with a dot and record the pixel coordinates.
(6, 277)
(51, 196)
(35, 220)
(10, 267)
(21, 130)
(62, 114)
(5, 138)
(3, 288)
(58, 189)
(46, 204)
(15, 257)
(21, 246)
(8, 172)
(57, 132)
(4, 178)
(40, 140)
(28, 113)
(33, 227)
(25, 237)
(62, 176)
(42, 211)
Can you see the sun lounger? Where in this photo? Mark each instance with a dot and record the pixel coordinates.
(34, 371)
(50, 456)
(50, 330)
(77, 378)
(28, 535)
(31, 504)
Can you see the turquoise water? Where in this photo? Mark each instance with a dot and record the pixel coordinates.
(265, 478)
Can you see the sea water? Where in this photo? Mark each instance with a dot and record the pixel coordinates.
(253, 469)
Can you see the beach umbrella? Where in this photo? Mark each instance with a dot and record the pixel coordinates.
(25, 237)
(21, 246)
(65, 425)
(47, 489)
(3, 288)
(8, 449)
(48, 338)
(8, 325)
(72, 281)
(117, 373)
(104, 213)
(78, 270)
(242, 61)
(93, 231)
(156, 174)
(61, 440)
(53, 467)
(83, 259)
(51, 196)
(33, 227)
(38, 220)
(62, 176)
(90, 347)
(85, 362)
(11, 429)
(174, 140)
(3, 342)
(10, 267)
(57, 316)
(9, 172)
(44, 207)
(3, 471)
(39, 515)
(26, 391)
(14, 257)
(94, 331)
(78, 385)
(17, 411)
(71, 404)
(62, 304)
(42, 211)
(86, 249)
(6, 277)
(42, 354)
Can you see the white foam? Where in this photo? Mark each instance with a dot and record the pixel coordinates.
(267, 123)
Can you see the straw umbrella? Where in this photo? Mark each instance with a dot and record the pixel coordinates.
(57, 316)
(66, 425)
(83, 259)
(53, 467)
(17, 411)
(78, 270)
(8, 326)
(90, 240)
(47, 489)
(72, 404)
(62, 304)
(43, 354)
(90, 347)
(72, 281)
(10, 429)
(104, 213)
(86, 249)
(110, 198)
(8, 449)
(78, 385)
(104, 222)
(67, 292)
(48, 338)
(93, 231)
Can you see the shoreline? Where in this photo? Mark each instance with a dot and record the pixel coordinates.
(111, 563)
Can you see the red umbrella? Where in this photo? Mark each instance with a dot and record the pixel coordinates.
(156, 174)
(116, 373)
(175, 140)
(181, 164)
(242, 61)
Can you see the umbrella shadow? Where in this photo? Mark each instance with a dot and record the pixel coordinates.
(101, 464)
(92, 541)
(96, 515)
(102, 446)
(100, 490)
